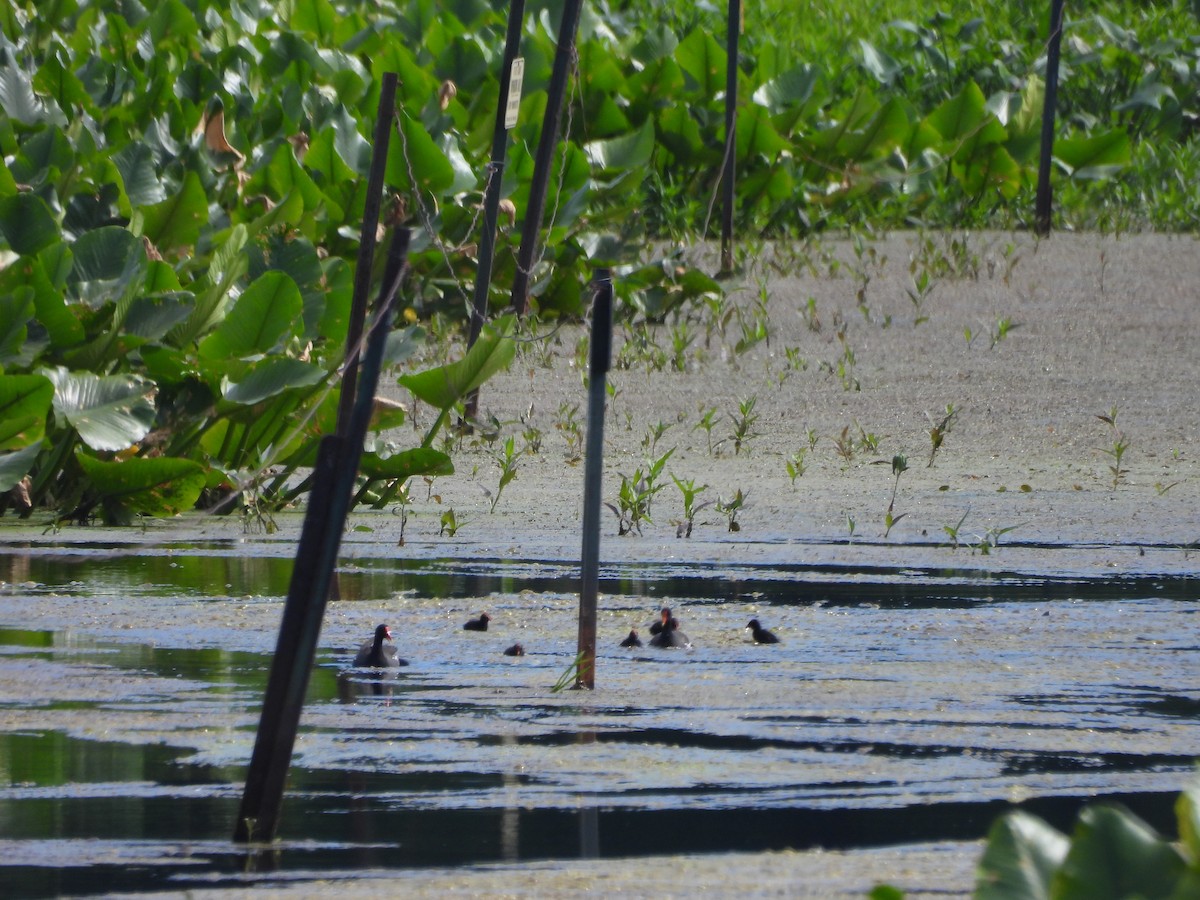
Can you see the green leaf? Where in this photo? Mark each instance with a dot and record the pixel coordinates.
(16, 465)
(268, 310)
(24, 402)
(406, 464)
(1115, 855)
(1099, 156)
(270, 377)
(414, 151)
(139, 181)
(1020, 860)
(882, 66)
(315, 18)
(757, 137)
(111, 412)
(153, 487)
(444, 386)
(110, 263)
(27, 223)
(15, 312)
(18, 100)
(151, 317)
(1187, 812)
(175, 223)
(703, 60)
(791, 89)
(622, 154)
(965, 116)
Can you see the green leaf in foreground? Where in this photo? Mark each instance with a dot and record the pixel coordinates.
(1114, 854)
(151, 487)
(1022, 855)
(266, 311)
(406, 464)
(444, 386)
(270, 377)
(110, 412)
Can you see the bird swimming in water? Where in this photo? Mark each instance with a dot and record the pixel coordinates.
(379, 652)
(514, 650)
(632, 640)
(669, 634)
(760, 634)
(479, 624)
(666, 621)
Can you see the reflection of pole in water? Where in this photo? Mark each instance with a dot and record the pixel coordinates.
(510, 818)
(589, 816)
(589, 833)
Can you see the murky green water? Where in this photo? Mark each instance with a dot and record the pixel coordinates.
(903, 706)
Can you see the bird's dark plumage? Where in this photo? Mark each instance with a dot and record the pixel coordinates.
(632, 640)
(760, 634)
(669, 634)
(479, 624)
(514, 650)
(379, 652)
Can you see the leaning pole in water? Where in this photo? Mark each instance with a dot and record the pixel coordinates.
(593, 473)
(729, 169)
(531, 225)
(1041, 218)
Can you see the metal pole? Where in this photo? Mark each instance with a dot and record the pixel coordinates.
(593, 473)
(366, 245)
(727, 176)
(531, 225)
(308, 591)
(491, 198)
(1041, 219)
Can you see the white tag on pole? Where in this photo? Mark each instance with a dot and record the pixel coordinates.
(515, 76)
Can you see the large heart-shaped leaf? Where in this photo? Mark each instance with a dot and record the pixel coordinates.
(625, 153)
(413, 151)
(444, 386)
(1115, 855)
(1022, 855)
(153, 487)
(703, 59)
(270, 377)
(175, 223)
(268, 310)
(110, 412)
(406, 464)
(110, 262)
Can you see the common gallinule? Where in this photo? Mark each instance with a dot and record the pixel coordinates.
(479, 624)
(379, 652)
(761, 635)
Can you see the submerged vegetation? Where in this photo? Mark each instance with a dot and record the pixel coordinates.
(183, 181)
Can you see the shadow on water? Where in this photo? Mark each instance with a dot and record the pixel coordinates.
(852, 741)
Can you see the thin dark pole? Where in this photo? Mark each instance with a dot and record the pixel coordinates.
(491, 197)
(366, 245)
(733, 27)
(593, 473)
(1045, 197)
(531, 225)
(308, 591)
